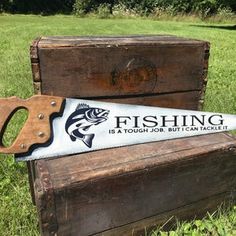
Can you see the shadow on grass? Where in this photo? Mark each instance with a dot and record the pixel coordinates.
(224, 27)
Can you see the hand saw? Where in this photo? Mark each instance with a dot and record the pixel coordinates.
(59, 126)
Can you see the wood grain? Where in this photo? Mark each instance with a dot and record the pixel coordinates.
(37, 127)
(120, 66)
(167, 220)
(103, 190)
(181, 100)
(115, 191)
(78, 167)
(95, 41)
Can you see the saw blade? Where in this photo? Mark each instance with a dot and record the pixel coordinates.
(91, 125)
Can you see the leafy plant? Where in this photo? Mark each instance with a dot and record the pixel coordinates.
(104, 11)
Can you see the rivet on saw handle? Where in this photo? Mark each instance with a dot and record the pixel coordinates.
(37, 129)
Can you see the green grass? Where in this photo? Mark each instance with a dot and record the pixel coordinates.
(221, 222)
(17, 214)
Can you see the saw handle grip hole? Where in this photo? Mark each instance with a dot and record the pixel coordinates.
(13, 126)
(25, 122)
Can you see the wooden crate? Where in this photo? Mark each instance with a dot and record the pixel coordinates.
(121, 191)
(153, 70)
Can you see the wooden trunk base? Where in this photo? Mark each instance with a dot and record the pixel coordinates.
(123, 190)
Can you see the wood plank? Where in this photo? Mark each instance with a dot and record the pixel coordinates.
(36, 72)
(181, 100)
(78, 168)
(167, 220)
(68, 41)
(31, 178)
(98, 200)
(121, 70)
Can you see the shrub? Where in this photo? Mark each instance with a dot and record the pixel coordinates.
(146, 7)
(205, 7)
(4, 5)
(181, 6)
(141, 7)
(37, 6)
(226, 4)
(225, 12)
(104, 11)
(120, 10)
(82, 7)
(85, 6)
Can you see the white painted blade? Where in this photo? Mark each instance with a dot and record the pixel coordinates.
(90, 125)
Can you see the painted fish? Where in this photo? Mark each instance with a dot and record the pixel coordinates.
(82, 119)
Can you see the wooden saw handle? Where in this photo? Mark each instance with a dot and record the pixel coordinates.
(37, 127)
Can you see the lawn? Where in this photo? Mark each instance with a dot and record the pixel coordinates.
(17, 214)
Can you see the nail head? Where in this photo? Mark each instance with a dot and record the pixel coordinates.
(40, 116)
(53, 103)
(22, 146)
(41, 134)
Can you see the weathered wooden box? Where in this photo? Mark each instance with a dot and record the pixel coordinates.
(121, 191)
